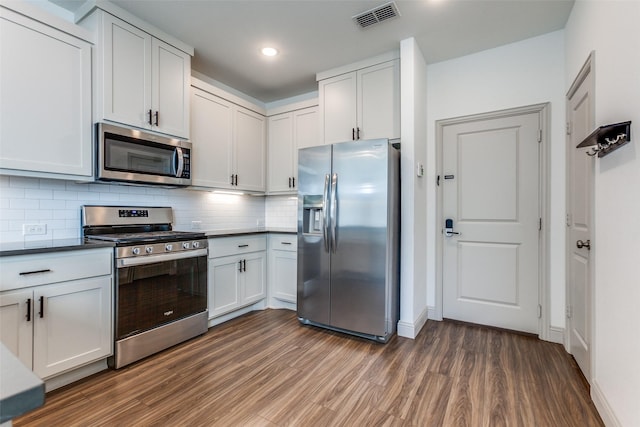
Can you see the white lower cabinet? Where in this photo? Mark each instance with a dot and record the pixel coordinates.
(237, 273)
(283, 267)
(55, 315)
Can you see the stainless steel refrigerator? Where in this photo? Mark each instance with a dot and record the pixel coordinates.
(348, 237)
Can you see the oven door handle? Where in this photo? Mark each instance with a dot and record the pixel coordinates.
(150, 259)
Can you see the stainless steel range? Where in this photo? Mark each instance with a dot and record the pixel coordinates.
(161, 278)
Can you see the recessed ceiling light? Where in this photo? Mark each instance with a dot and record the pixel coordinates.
(269, 51)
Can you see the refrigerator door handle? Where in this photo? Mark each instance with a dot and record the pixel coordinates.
(325, 209)
(334, 211)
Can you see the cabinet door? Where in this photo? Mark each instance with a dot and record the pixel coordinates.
(254, 277)
(16, 324)
(379, 101)
(170, 77)
(211, 135)
(45, 101)
(305, 134)
(250, 150)
(337, 108)
(72, 325)
(224, 286)
(283, 276)
(281, 153)
(126, 91)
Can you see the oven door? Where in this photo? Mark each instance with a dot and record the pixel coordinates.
(155, 290)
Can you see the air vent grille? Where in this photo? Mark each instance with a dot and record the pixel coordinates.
(377, 15)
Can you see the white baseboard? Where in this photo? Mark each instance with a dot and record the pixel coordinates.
(411, 330)
(239, 312)
(75, 375)
(433, 314)
(602, 405)
(278, 303)
(556, 335)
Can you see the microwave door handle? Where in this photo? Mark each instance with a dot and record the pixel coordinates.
(179, 159)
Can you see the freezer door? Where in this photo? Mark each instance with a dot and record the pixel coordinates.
(359, 291)
(314, 169)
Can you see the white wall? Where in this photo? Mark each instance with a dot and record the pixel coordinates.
(523, 73)
(612, 30)
(413, 296)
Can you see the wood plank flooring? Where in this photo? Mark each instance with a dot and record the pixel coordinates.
(265, 369)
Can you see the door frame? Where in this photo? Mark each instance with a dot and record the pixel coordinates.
(587, 68)
(544, 205)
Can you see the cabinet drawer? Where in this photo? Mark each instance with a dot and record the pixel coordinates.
(283, 242)
(225, 246)
(22, 271)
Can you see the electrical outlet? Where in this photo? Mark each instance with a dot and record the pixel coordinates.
(34, 229)
(195, 225)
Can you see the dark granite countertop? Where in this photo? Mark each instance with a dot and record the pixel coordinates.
(20, 389)
(244, 231)
(45, 246)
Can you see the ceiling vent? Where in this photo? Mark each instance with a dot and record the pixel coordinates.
(377, 15)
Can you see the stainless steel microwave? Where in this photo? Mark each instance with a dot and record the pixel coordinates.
(135, 156)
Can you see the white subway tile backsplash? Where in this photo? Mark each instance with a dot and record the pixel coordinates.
(65, 195)
(12, 193)
(51, 184)
(53, 204)
(38, 214)
(57, 203)
(24, 204)
(10, 214)
(37, 193)
(24, 182)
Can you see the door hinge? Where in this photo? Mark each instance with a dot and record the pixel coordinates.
(568, 220)
(539, 311)
(539, 136)
(568, 312)
(438, 181)
(568, 128)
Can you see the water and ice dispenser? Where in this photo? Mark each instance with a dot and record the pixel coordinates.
(312, 214)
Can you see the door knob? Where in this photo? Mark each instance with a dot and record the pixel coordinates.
(580, 244)
(448, 228)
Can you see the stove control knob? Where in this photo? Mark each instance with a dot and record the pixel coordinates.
(148, 249)
(135, 251)
(168, 247)
(185, 245)
(195, 245)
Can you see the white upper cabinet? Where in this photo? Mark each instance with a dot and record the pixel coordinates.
(250, 150)
(361, 104)
(281, 151)
(45, 101)
(212, 138)
(142, 81)
(229, 147)
(288, 132)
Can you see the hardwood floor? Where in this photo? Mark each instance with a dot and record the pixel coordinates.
(265, 369)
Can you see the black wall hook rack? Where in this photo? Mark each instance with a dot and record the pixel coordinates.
(608, 138)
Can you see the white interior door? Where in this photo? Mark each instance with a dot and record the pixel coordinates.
(491, 192)
(580, 118)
